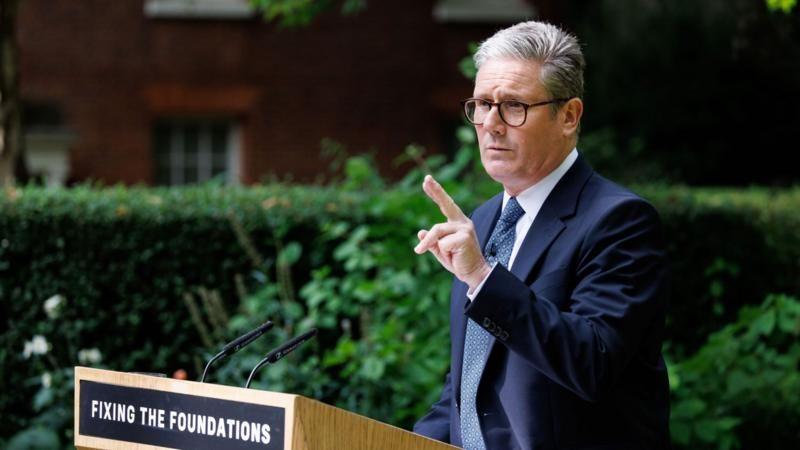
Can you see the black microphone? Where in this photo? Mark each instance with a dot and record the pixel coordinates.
(237, 344)
(283, 350)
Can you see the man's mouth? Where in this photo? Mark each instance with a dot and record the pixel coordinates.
(499, 149)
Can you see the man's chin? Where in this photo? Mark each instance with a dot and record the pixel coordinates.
(498, 174)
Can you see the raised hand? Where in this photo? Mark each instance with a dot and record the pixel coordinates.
(454, 242)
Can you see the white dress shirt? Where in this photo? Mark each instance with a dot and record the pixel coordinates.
(531, 200)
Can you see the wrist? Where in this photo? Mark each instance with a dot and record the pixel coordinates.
(476, 277)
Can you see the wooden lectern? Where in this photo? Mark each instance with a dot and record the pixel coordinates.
(116, 410)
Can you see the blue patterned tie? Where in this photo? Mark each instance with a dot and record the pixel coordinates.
(477, 341)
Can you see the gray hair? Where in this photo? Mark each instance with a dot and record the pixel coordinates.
(558, 52)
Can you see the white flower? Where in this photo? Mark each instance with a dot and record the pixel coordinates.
(89, 356)
(36, 346)
(47, 380)
(52, 304)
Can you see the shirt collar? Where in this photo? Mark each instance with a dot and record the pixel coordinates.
(532, 198)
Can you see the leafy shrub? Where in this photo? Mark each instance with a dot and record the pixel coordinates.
(728, 248)
(157, 279)
(123, 260)
(748, 371)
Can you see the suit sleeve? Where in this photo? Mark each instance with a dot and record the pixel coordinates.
(619, 284)
(436, 423)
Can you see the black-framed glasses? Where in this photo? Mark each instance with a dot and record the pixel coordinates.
(514, 113)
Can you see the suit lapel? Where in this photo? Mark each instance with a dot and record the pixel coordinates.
(544, 229)
(560, 204)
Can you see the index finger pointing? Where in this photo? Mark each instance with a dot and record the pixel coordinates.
(439, 196)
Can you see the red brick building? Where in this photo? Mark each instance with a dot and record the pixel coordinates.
(176, 91)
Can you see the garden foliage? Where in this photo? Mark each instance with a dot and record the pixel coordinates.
(140, 279)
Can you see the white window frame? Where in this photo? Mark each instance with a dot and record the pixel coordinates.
(199, 9)
(205, 163)
(483, 11)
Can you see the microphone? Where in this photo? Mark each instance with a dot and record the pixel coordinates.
(283, 350)
(237, 344)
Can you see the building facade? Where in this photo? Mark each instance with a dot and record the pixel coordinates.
(180, 91)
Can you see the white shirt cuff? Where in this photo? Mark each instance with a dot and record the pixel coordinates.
(474, 293)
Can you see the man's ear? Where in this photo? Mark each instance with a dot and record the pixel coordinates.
(571, 116)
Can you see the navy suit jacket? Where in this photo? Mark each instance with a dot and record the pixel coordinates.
(577, 323)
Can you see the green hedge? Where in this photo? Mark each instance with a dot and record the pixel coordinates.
(729, 248)
(155, 279)
(741, 389)
(122, 260)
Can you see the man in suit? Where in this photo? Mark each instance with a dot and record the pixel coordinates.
(559, 297)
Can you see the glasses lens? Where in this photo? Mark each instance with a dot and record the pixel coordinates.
(476, 110)
(469, 110)
(513, 113)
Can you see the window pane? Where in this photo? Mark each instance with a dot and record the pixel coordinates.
(219, 148)
(190, 151)
(190, 174)
(163, 175)
(161, 139)
(161, 146)
(217, 169)
(219, 139)
(190, 143)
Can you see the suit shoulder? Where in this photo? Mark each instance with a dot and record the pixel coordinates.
(609, 196)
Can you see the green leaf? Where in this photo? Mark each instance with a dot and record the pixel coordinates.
(689, 408)
(785, 6)
(292, 310)
(373, 368)
(716, 289)
(737, 382)
(728, 423)
(706, 430)
(290, 254)
(42, 398)
(33, 439)
(343, 352)
(765, 324)
(466, 135)
(789, 323)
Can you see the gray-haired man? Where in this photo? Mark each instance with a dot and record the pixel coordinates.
(557, 309)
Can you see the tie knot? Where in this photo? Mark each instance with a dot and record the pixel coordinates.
(512, 212)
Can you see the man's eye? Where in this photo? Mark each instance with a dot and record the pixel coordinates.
(483, 104)
(514, 106)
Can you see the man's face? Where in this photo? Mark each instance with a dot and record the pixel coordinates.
(518, 157)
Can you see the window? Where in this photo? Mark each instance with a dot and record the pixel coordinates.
(483, 11)
(194, 151)
(198, 9)
(47, 142)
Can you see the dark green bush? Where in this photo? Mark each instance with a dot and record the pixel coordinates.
(156, 279)
(748, 371)
(729, 248)
(122, 260)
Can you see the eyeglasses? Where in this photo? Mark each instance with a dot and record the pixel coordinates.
(512, 112)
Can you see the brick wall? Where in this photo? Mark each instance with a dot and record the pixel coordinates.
(376, 81)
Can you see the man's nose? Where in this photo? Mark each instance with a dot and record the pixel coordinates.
(493, 122)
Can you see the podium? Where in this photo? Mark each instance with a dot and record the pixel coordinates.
(117, 410)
